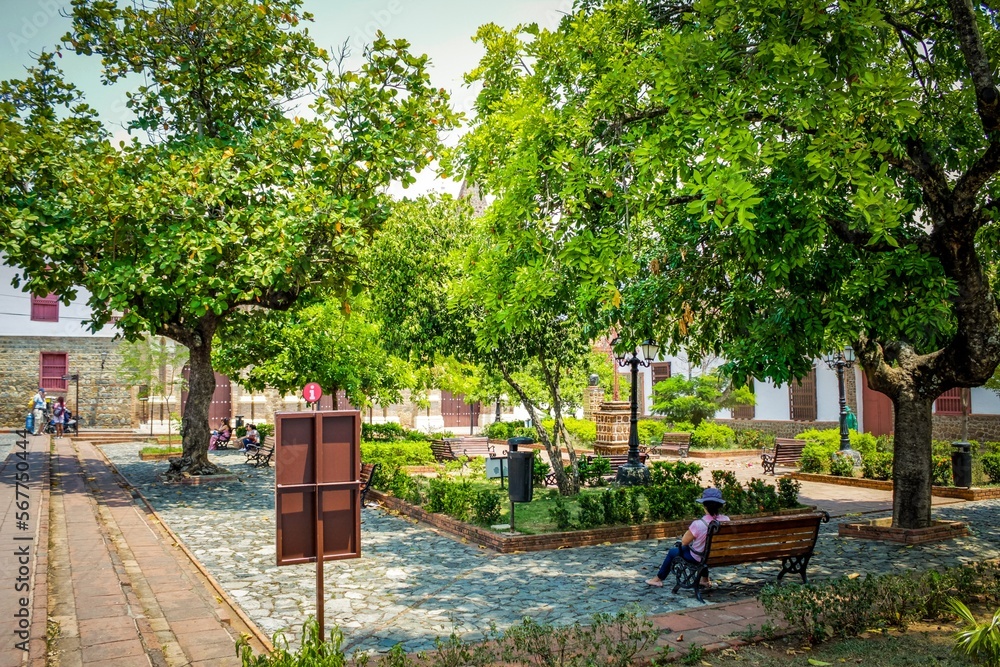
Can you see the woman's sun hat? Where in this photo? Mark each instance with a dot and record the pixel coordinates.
(711, 494)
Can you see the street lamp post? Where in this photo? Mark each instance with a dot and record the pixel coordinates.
(634, 473)
(838, 361)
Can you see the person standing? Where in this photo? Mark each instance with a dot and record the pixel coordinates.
(38, 409)
(59, 415)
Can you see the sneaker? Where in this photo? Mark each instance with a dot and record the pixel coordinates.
(242, 449)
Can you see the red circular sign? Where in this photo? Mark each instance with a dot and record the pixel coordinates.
(312, 392)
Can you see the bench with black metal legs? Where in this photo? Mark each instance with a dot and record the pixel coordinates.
(261, 456)
(616, 460)
(786, 452)
(450, 449)
(368, 471)
(790, 539)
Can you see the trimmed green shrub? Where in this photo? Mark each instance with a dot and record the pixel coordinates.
(650, 431)
(788, 492)
(816, 456)
(991, 467)
(393, 479)
(749, 438)
(539, 471)
(941, 470)
(710, 435)
(560, 514)
(486, 506)
(672, 490)
(877, 465)
(397, 452)
(593, 473)
(591, 512)
(450, 497)
(841, 466)
(582, 431)
(265, 430)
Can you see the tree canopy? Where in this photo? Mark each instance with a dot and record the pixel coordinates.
(232, 201)
(793, 177)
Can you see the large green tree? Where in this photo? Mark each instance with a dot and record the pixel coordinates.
(795, 177)
(231, 201)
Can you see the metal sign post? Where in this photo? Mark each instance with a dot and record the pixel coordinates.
(317, 490)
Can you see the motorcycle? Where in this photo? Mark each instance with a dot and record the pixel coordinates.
(69, 424)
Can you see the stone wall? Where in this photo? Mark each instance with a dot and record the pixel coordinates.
(778, 428)
(983, 428)
(613, 422)
(104, 402)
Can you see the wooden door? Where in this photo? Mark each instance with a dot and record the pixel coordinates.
(221, 406)
(877, 410)
(456, 412)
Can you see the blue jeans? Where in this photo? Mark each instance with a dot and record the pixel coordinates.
(674, 552)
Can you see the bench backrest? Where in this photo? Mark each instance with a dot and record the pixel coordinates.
(770, 538)
(788, 449)
(616, 460)
(442, 450)
(366, 472)
(676, 439)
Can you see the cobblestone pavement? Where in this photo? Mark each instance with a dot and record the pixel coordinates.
(6, 442)
(413, 585)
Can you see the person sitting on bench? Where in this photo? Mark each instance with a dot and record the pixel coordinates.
(692, 545)
(220, 436)
(252, 441)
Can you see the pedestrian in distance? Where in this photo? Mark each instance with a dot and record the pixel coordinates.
(59, 415)
(38, 408)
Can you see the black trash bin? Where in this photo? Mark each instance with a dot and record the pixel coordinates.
(239, 421)
(961, 464)
(513, 443)
(519, 469)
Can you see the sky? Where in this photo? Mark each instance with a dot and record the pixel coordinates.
(440, 28)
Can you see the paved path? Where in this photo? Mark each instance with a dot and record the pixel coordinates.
(413, 585)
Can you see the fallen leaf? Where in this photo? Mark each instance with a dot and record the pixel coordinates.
(819, 663)
(680, 638)
(853, 575)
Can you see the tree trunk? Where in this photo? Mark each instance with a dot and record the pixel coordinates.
(201, 387)
(911, 494)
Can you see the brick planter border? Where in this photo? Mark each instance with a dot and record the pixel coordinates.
(198, 480)
(506, 544)
(975, 493)
(882, 530)
(721, 453)
(165, 456)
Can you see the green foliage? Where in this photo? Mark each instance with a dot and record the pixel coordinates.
(991, 467)
(841, 466)
(877, 465)
(591, 511)
(697, 399)
(451, 497)
(817, 456)
(709, 435)
(788, 492)
(583, 431)
(756, 497)
(846, 607)
(265, 430)
(393, 479)
(561, 514)
(595, 472)
(672, 490)
(980, 641)
(486, 507)
(540, 469)
(941, 470)
(313, 652)
(752, 439)
(398, 453)
(650, 431)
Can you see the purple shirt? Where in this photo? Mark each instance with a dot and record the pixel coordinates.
(700, 531)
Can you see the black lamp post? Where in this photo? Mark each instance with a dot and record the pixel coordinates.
(634, 473)
(838, 361)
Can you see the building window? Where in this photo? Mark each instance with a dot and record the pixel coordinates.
(45, 308)
(950, 402)
(661, 371)
(746, 411)
(802, 398)
(54, 365)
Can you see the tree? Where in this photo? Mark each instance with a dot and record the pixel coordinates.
(231, 203)
(156, 364)
(794, 178)
(697, 398)
(320, 342)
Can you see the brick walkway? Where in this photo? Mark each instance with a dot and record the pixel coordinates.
(115, 588)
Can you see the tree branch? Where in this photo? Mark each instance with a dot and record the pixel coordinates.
(862, 240)
(975, 178)
(976, 59)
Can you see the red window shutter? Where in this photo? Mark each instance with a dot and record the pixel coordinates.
(745, 411)
(54, 365)
(950, 402)
(802, 398)
(661, 371)
(45, 308)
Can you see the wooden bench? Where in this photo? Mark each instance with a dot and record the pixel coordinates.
(617, 460)
(368, 471)
(674, 444)
(450, 449)
(442, 450)
(790, 539)
(786, 452)
(260, 457)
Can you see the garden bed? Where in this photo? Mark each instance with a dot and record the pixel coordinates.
(881, 529)
(505, 543)
(974, 493)
(159, 453)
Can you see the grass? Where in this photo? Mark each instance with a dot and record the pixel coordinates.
(161, 450)
(923, 644)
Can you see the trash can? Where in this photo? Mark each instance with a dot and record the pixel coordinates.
(961, 464)
(29, 422)
(513, 443)
(239, 421)
(520, 466)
